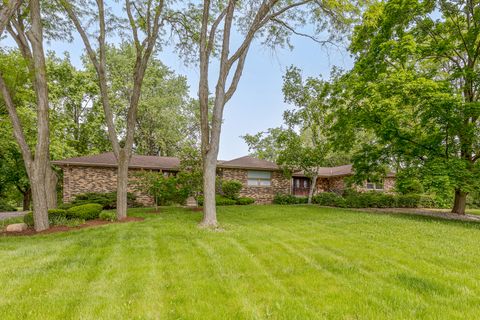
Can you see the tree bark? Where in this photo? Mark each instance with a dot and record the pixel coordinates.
(122, 185)
(313, 186)
(460, 202)
(40, 207)
(6, 13)
(51, 187)
(209, 178)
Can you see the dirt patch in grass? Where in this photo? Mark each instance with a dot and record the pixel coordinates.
(55, 229)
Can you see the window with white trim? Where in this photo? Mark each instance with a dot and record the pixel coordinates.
(259, 178)
(378, 186)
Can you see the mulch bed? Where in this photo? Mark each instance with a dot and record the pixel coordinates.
(56, 229)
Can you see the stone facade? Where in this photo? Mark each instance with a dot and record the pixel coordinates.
(78, 180)
(262, 195)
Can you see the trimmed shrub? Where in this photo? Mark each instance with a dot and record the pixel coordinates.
(28, 219)
(107, 200)
(87, 211)
(329, 199)
(219, 201)
(289, 199)
(231, 189)
(65, 206)
(54, 213)
(245, 201)
(108, 215)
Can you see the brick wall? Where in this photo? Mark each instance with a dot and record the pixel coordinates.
(262, 195)
(77, 180)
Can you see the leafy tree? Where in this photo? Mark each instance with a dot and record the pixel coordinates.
(270, 22)
(264, 145)
(30, 43)
(144, 19)
(417, 88)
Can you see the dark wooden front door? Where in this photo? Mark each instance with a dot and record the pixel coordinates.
(301, 186)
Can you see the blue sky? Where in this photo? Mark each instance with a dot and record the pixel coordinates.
(258, 103)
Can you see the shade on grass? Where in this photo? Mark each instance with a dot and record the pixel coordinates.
(290, 262)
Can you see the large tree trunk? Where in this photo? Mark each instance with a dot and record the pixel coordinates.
(51, 188)
(122, 185)
(209, 177)
(460, 202)
(40, 207)
(313, 186)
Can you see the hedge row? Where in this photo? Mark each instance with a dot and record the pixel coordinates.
(362, 200)
(83, 212)
(223, 201)
(108, 200)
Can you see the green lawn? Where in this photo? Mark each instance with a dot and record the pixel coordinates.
(277, 262)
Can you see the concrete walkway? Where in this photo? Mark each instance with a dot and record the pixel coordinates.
(12, 214)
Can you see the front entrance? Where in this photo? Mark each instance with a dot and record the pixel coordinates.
(301, 186)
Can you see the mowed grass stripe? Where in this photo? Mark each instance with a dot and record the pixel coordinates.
(269, 262)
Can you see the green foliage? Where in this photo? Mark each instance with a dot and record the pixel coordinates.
(108, 216)
(231, 189)
(86, 211)
(219, 200)
(288, 199)
(28, 219)
(5, 207)
(329, 199)
(354, 199)
(56, 213)
(245, 201)
(108, 200)
(167, 190)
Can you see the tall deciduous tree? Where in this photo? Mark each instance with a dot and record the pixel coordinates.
(271, 20)
(25, 27)
(417, 83)
(145, 19)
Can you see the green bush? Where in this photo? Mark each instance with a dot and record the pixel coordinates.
(108, 215)
(5, 207)
(329, 199)
(87, 211)
(65, 206)
(231, 189)
(289, 199)
(108, 200)
(219, 200)
(245, 201)
(28, 219)
(54, 213)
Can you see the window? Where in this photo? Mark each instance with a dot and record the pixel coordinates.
(259, 178)
(374, 185)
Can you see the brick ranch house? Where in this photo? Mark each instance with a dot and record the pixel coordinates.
(261, 179)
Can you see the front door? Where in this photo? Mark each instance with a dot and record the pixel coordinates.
(301, 186)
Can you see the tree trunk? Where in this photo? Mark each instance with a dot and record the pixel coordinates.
(27, 199)
(122, 185)
(51, 188)
(460, 202)
(40, 207)
(312, 189)
(209, 177)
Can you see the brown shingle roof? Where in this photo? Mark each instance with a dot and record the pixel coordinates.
(340, 171)
(249, 162)
(108, 160)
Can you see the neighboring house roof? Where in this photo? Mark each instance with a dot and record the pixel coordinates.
(339, 171)
(249, 162)
(108, 160)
